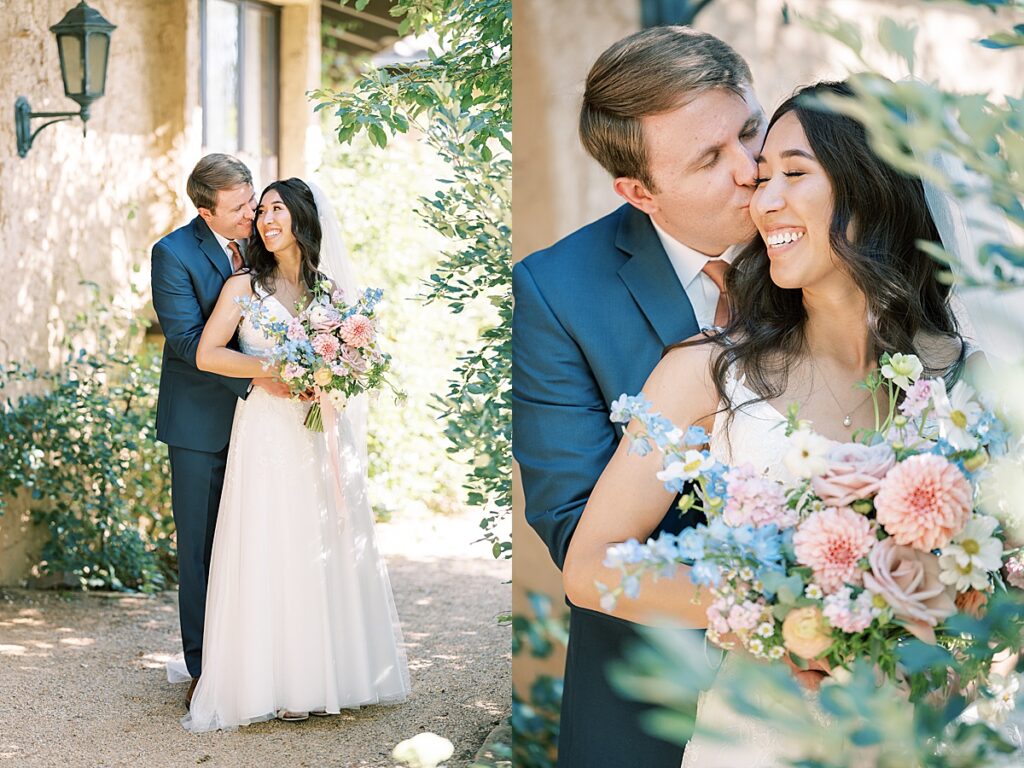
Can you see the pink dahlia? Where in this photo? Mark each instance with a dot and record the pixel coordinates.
(326, 345)
(924, 502)
(357, 331)
(831, 543)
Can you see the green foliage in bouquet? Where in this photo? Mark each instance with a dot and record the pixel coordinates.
(79, 439)
(458, 100)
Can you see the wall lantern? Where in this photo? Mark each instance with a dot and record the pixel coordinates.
(83, 42)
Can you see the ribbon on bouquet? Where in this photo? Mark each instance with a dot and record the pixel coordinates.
(330, 420)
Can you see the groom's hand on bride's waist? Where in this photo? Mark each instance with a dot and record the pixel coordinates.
(272, 386)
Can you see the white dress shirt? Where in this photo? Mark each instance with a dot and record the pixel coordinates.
(224, 247)
(688, 264)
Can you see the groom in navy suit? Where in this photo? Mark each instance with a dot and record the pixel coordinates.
(670, 113)
(195, 409)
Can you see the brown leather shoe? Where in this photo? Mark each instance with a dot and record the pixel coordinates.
(191, 690)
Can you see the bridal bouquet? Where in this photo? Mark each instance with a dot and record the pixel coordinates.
(862, 546)
(330, 348)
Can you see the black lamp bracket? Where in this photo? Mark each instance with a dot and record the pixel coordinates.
(23, 116)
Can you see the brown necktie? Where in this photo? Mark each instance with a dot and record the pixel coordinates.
(236, 256)
(716, 269)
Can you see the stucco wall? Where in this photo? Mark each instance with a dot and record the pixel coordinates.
(557, 188)
(84, 208)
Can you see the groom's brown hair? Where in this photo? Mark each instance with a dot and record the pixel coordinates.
(213, 173)
(650, 73)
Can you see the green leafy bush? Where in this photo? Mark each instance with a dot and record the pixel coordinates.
(80, 438)
(457, 100)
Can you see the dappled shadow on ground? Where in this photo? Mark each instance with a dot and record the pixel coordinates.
(82, 679)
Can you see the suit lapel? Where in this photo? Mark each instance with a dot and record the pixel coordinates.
(652, 281)
(210, 247)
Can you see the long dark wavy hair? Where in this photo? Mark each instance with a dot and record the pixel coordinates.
(888, 213)
(298, 199)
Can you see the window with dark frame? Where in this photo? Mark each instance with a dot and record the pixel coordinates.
(239, 82)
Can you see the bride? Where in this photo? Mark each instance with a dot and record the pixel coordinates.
(299, 616)
(833, 281)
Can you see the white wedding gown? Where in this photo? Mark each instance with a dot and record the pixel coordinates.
(299, 610)
(756, 435)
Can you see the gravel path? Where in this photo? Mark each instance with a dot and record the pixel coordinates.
(82, 681)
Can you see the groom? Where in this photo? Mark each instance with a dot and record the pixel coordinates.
(195, 409)
(670, 113)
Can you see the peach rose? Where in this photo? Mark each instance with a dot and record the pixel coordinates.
(854, 472)
(908, 579)
(323, 376)
(805, 633)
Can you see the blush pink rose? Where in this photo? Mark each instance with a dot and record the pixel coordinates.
(831, 543)
(908, 579)
(354, 359)
(357, 331)
(854, 472)
(924, 502)
(326, 345)
(323, 317)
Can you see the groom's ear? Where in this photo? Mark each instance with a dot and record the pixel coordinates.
(635, 193)
(206, 214)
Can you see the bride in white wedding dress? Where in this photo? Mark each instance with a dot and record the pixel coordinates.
(833, 280)
(300, 617)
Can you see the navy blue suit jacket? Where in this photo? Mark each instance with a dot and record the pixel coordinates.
(593, 314)
(194, 408)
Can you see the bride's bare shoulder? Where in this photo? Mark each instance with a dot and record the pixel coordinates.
(682, 381)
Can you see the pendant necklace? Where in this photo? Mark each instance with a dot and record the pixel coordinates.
(848, 417)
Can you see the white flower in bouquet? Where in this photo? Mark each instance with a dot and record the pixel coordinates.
(977, 544)
(807, 455)
(689, 467)
(974, 552)
(338, 399)
(957, 412)
(903, 370)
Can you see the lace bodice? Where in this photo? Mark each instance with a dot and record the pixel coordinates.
(756, 433)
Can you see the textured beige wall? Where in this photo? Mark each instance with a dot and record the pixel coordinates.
(557, 188)
(75, 207)
(92, 207)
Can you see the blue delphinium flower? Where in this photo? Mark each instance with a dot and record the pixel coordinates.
(690, 544)
(704, 573)
(696, 436)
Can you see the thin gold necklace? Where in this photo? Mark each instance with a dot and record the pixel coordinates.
(848, 416)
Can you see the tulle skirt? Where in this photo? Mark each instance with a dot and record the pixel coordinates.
(299, 610)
